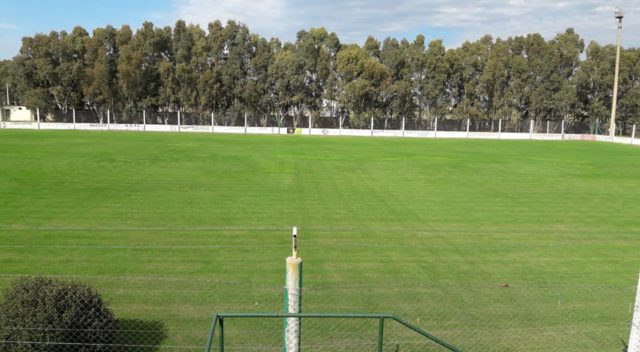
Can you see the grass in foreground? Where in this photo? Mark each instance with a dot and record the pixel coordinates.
(174, 227)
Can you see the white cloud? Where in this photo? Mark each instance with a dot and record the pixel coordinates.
(5, 25)
(267, 16)
(459, 20)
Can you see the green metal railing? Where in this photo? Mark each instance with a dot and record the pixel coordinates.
(218, 322)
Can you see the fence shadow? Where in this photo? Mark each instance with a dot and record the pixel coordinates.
(135, 335)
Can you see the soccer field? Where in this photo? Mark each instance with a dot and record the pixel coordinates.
(172, 228)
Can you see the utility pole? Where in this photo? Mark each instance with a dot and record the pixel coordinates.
(612, 126)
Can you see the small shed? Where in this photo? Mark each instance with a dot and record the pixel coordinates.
(13, 113)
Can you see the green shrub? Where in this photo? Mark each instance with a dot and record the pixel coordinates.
(43, 314)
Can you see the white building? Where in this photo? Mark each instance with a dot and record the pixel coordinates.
(12, 113)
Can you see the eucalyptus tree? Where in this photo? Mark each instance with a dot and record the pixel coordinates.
(153, 45)
(552, 67)
(494, 81)
(7, 72)
(288, 82)
(398, 98)
(363, 79)
(235, 55)
(562, 66)
(258, 96)
(629, 102)
(433, 86)
(100, 85)
(594, 90)
(316, 49)
(210, 85)
(131, 81)
(473, 57)
(50, 69)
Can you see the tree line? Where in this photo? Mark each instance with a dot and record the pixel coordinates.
(228, 70)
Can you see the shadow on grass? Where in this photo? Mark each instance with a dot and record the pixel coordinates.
(136, 335)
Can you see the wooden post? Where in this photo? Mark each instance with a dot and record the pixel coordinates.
(179, 122)
(38, 113)
(144, 120)
(633, 134)
(562, 130)
(309, 124)
(213, 121)
(547, 126)
(108, 119)
(74, 118)
(403, 126)
(499, 128)
(245, 123)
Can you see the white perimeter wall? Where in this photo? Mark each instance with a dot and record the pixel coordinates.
(313, 131)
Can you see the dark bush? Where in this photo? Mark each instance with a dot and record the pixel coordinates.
(43, 314)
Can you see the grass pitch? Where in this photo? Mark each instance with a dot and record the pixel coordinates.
(174, 227)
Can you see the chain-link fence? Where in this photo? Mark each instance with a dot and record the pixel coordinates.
(170, 313)
(590, 126)
(200, 119)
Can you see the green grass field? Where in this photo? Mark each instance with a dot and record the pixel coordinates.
(172, 228)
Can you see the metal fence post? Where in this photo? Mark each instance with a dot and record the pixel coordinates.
(562, 130)
(221, 339)
(309, 124)
(245, 123)
(340, 125)
(108, 119)
(633, 134)
(547, 126)
(144, 120)
(403, 126)
(38, 113)
(499, 128)
(372, 125)
(179, 122)
(468, 122)
(74, 118)
(380, 334)
(212, 121)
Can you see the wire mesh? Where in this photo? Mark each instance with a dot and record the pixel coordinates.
(91, 116)
(476, 125)
(59, 116)
(414, 124)
(174, 313)
(161, 117)
(388, 123)
(261, 120)
(453, 125)
(326, 122)
(125, 117)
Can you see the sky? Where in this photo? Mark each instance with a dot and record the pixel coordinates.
(453, 21)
